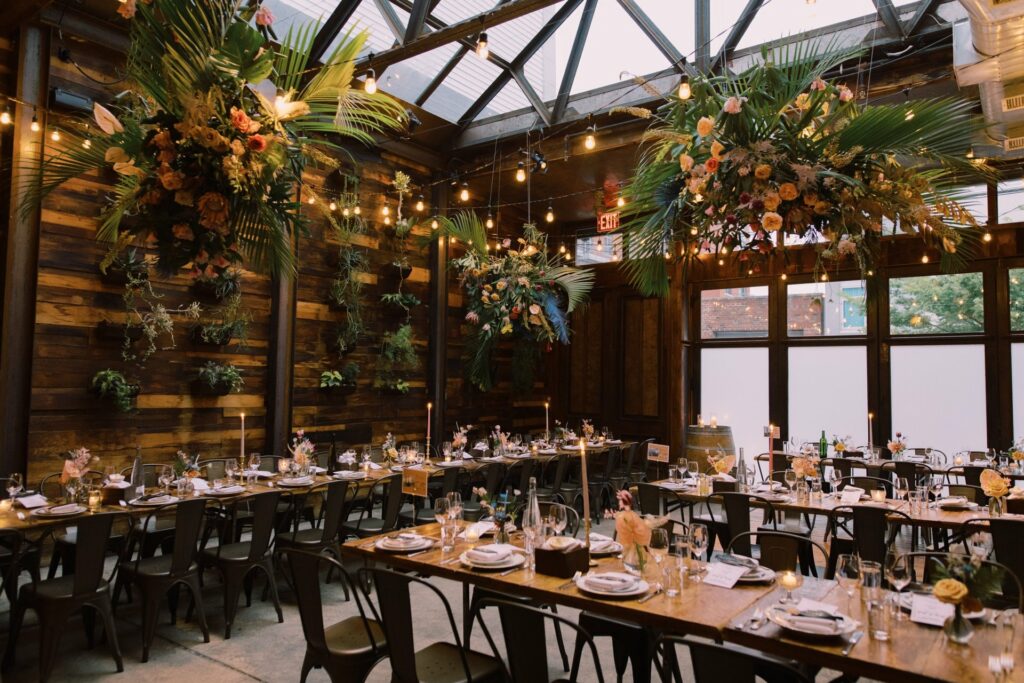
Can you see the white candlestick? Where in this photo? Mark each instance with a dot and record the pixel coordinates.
(241, 450)
(700, 420)
(429, 407)
(547, 423)
(586, 491)
(870, 440)
(714, 422)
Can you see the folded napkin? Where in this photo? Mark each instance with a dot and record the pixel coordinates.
(478, 529)
(613, 442)
(117, 484)
(852, 488)
(600, 543)
(612, 582)
(737, 560)
(767, 486)
(467, 456)
(723, 477)
(317, 470)
(62, 509)
(561, 543)
(819, 625)
(571, 447)
(403, 540)
(261, 474)
(552, 451)
(159, 500)
(1016, 493)
(480, 446)
(350, 474)
(33, 501)
(494, 553)
(347, 456)
(297, 481)
(227, 490)
(200, 484)
(953, 500)
(374, 466)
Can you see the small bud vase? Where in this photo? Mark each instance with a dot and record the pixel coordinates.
(996, 505)
(958, 629)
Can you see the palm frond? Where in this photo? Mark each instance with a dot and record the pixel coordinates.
(468, 229)
(576, 282)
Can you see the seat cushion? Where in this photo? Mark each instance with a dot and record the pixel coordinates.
(55, 589)
(441, 663)
(235, 552)
(348, 637)
(302, 537)
(158, 565)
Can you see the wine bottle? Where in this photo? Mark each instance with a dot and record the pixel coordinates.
(823, 446)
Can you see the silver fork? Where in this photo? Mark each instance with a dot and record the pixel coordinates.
(571, 582)
(757, 619)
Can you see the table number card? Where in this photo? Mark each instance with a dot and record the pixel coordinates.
(723, 575)
(926, 609)
(657, 452)
(414, 482)
(849, 497)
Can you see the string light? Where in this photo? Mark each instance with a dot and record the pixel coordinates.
(87, 143)
(561, 248)
(590, 142)
(357, 210)
(684, 90)
(824, 277)
(370, 84)
(520, 172)
(387, 220)
(489, 222)
(5, 116)
(482, 49)
(987, 237)
(385, 210)
(345, 212)
(419, 204)
(497, 246)
(464, 193)
(333, 206)
(433, 224)
(55, 135)
(34, 126)
(925, 259)
(784, 277)
(620, 202)
(550, 215)
(568, 256)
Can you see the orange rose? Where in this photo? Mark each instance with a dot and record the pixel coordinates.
(762, 171)
(213, 210)
(711, 165)
(788, 192)
(257, 143)
(771, 221)
(241, 121)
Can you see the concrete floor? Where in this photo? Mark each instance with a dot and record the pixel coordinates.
(260, 648)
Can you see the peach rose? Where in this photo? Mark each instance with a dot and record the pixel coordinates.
(771, 221)
(762, 171)
(788, 192)
(685, 162)
(705, 125)
(213, 210)
(716, 149)
(711, 165)
(257, 143)
(993, 484)
(771, 200)
(631, 528)
(950, 591)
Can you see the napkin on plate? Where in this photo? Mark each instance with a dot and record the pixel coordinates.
(562, 543)
(480, 446)
(117, 484)
(723, 477)
(494, 553)
(819, 625)
(767, 487)
(1016, 493)
(600, 543)
(200, 484)
(466, 455)
(61, 509)
(33, 501)
(228, 490)
(613, 582)
(297, 481)
(403, 540)
(478, 529)
(737, 560)
(262, 474)
(160, 500)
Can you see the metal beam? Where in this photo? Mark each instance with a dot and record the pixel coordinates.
(538, 104)
(441, 75)
(573, 63)
(468, 43)
(702, 34)
(392, 20)
(651, 30)
(922, 9)
(517, 64)
(420, 10)
(331, 28)
(454, 32)
(887, 13)
(736, 33)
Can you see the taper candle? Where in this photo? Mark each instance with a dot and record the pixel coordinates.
(871, 441)
(241, 449)
(586, 492)
(714, 422)
(547, 423)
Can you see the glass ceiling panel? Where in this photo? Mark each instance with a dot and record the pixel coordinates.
(407, 79)
(366, 16)
(464, 84)
(781, 18)
(451, 11)
(510, 98)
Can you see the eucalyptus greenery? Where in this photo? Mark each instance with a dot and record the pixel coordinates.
(230, 323)
(145, 311)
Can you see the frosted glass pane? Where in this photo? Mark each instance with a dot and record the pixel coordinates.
(938, 396)
(1017, 387)
(734, 388)
(828, 389)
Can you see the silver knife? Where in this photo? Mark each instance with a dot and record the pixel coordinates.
(510, 571)
(650, 595)
(854, 639)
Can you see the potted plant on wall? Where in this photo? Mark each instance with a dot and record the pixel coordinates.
(125, 268)
(215, 379)
(215, 285)
(397, 360)
(343, 380)
(113, 386)
(230, 324)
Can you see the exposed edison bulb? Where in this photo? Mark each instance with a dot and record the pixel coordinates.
(521, 173)
(784, 277)
(497, 246)
(433, 224)
(721, 261)
(55, 135)
(87, 143)
(668, 254)
(311, 200)
(357, 210)
(387, 220)
(345, 212)
(987, 237)
(489, 222)
(693, 231)
(419, 204)
(333, 206)
(600, 244)
(684, 90)
(925, 259)
(487, 247)
(590, 142)
(725, 250)
(483, 50)
(568, 256)
(870, 273)
(464, 193)
(561, 249)
(620, 202)
(385, 210)
(550, 215)
(824, 277)
(370, 84)
(5, 117)
(34, 126)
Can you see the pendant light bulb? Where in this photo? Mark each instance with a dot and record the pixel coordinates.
(387, 220)
(55, 135)
(385, 210)
(620, 202)
(590, 142)
(490, 222)
(5, 116)
(561, 248)
(333, 206)
(521, 172)
(550, 215)
(311, 200)
(34, 126)
(684, 90)
(482, 49)
(464, 192)
(433, 224)
(370, 84)
(345, 212)
(87, 143)
(357, 210)
(419, 204)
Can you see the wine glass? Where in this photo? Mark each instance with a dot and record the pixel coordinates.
(166, 477)
(446, 450)
(902, 487)
(936, 485)
(692, 468)
(454, 505)
(980, 544)
(14, 484)
(698, 544)
(367, 455)
(517, 440)
(442, 506)
(848, 577)
(835, 478)
(557, 519)
(283, 465)
(658, 544)
(748, 478)
(790, 478)
(897, 573)
(230, 467)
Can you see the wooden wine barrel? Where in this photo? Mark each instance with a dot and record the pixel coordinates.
(703, 440)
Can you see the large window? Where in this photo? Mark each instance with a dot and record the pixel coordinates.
(1017, 379)
(734, 313)
(828, 389)
(598, 249)
(1017, 300)
(828, 308)
(938, 396)
(1010, 200)
(734, 389)
(937, 304)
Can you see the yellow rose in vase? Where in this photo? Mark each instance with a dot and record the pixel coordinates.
(993, 484)
(950, 591)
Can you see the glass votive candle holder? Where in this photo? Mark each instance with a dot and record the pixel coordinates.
(878, 495)
(790, 581)
(95, 498)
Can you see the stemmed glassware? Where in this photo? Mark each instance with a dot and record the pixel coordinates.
(166, 477)
(897, 573)
(790, 478)
(255, 462)
(659, 549)
(367, 455)
(230, 467)
(835, 478)
(698, 544)
(848, 577)
(556, 519)
(441, 509)
(14, 484)
(936, 485)
(692, 468)
(902, 488)
(454, 506)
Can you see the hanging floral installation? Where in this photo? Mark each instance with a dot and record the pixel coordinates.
(520, 294)
(210, 141)
(779, 152)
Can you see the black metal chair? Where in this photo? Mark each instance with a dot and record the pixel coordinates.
(864, 530)
(347, 650)
(1013, 597)
(325, 537)
(55, 600)
(525, 633)
(713, 663)
(778, 550)
(439, 485)
(238, 561)
(17, 554)
(1006, 543)
(63, 552)
(490, 476)
(369, 525)
(163, 575)
(439, 662)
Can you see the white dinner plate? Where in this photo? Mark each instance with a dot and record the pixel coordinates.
(613, 548)
(154, 502)
(49, 511)
(513, 560)
(349, 475)
(449, 463)
(758, 574)
(297, 482)
(780, 617)
(641, 588)
(390, 546)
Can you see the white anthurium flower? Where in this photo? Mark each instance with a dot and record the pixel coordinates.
(107, 122)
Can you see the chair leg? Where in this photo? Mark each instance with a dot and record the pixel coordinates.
(307, 666)
(17, 617)
(89, 623)
(268, 569)
(150, 613)
(49, 641)
(172, 602)
(192, 582)
(55, 560)
(561, 642)
(232, 591)
(577, 654)
(106, 611)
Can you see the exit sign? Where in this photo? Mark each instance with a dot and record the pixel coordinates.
(607, 222)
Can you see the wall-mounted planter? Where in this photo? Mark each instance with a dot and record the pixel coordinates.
(196, 334)
(119, 276)
(202, 388)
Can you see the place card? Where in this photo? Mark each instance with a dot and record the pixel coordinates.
(928, 610)
(33, 501)
(849, 497)
(724, 575)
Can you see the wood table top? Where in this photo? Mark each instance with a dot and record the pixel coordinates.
(917, 653)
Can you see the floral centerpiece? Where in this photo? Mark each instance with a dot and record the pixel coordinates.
(633, 531)
(777, 155)
(897, 445)
(964, 582)
(185, 465)
(587, 427)
(563, 433)
(520, 294)
(302, 449)
(503, 509)
(460, 437)
(1017, 451)
(210, 140)
(499, 439)
(721, 463)
(996, 487)
(805, 467)
(389, 448)
(841, 444)
(76, 464)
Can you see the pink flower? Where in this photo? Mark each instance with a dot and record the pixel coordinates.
(846, 247)
(264, 17)
(127, 9)
(734, 105)
(845, 94)
(631, 528)
(818, 84)
(472, 317)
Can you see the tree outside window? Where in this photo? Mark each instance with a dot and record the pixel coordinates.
(937, 304)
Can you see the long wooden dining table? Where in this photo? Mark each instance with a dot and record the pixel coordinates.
(915, 652)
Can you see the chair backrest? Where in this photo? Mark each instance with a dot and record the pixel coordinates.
(870, 528)
(913, 472)
(627, 462)
(652, 499)
(525, 470)
(334, 509)
(779, 549)
(10, 540)
(526, 641)
(150, 473)
(450, 479)
(572, 518)
(397, 620)
(737, 516)
(495, 475)
(561, 465)
(215, 468)
(392, 502)
(714, 663)
(844, 466)
(611, 462)
(264, 511)
(188, 524)
(90, 551)
(51, 486)
(868, 483)
(975, 494)
(1006, 542)
(639, 463)
(305, 571)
